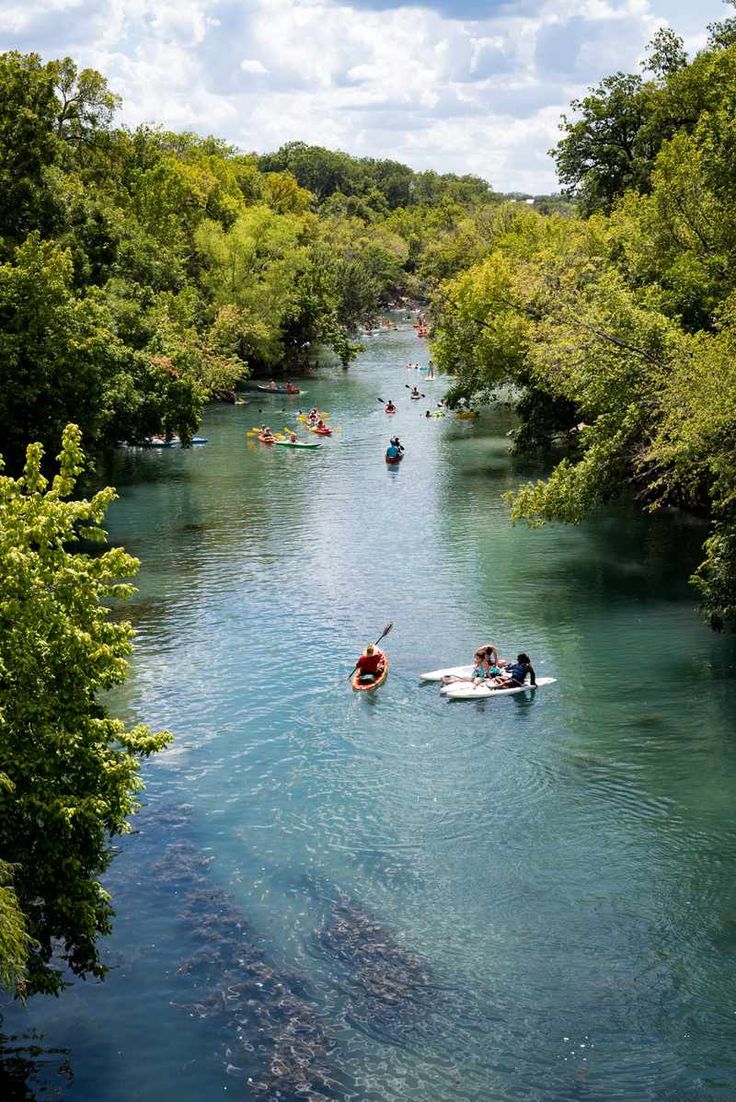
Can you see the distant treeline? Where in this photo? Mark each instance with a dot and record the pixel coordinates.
(143, 272)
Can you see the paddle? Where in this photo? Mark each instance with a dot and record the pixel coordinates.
(383, 634)
(412, 388)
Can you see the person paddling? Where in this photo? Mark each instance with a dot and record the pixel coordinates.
(396, 443)
(370, 663)
(390, 407)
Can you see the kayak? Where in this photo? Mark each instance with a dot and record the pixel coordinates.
(465, 690)
(366, 686)
(394, 460)
(390, 410)
(278, 389)
(320, 431)
(415, 397)
(297, 444)
(466, 415)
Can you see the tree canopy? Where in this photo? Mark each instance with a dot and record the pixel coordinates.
(618, 329)
(69, 771)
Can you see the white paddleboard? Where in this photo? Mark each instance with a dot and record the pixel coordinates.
(465, 690)
(451, 671)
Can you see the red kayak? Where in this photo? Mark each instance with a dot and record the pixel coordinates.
(394, 460)
(390, 409)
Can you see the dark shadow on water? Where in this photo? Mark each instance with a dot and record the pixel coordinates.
(29, 1070)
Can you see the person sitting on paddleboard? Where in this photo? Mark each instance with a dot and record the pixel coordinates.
(369, 664)
(491, 654)
(481, 670)
(515, 674)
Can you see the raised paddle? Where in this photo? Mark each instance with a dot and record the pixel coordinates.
(383, 635)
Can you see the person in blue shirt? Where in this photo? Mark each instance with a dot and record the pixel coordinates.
(515, 674)
(392, 452)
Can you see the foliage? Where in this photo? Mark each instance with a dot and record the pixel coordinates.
(619, 331)
(71, 772)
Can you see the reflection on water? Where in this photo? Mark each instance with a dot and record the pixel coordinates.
(401, 897)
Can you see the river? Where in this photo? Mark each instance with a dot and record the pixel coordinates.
(401, 897)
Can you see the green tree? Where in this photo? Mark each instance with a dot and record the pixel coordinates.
(71, 771)
(28, 143)
(85, 103)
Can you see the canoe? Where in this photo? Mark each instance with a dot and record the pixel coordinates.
(365, 687)
(278, 389)
(297, 444)
(465, 690)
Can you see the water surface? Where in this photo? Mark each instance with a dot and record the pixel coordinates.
(404, 897)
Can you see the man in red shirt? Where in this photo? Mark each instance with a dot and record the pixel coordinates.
(369, 664)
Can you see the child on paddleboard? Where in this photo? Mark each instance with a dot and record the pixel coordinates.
(516, 674)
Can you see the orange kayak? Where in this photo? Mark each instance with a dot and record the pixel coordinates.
(368, 686)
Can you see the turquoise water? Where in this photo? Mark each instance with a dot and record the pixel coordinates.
(402, 897)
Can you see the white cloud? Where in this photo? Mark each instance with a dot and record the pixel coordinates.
(456, 85)
(252, 65)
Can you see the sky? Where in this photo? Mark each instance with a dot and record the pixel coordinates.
(455, 85)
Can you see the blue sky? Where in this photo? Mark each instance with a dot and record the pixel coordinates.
(464, 86)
